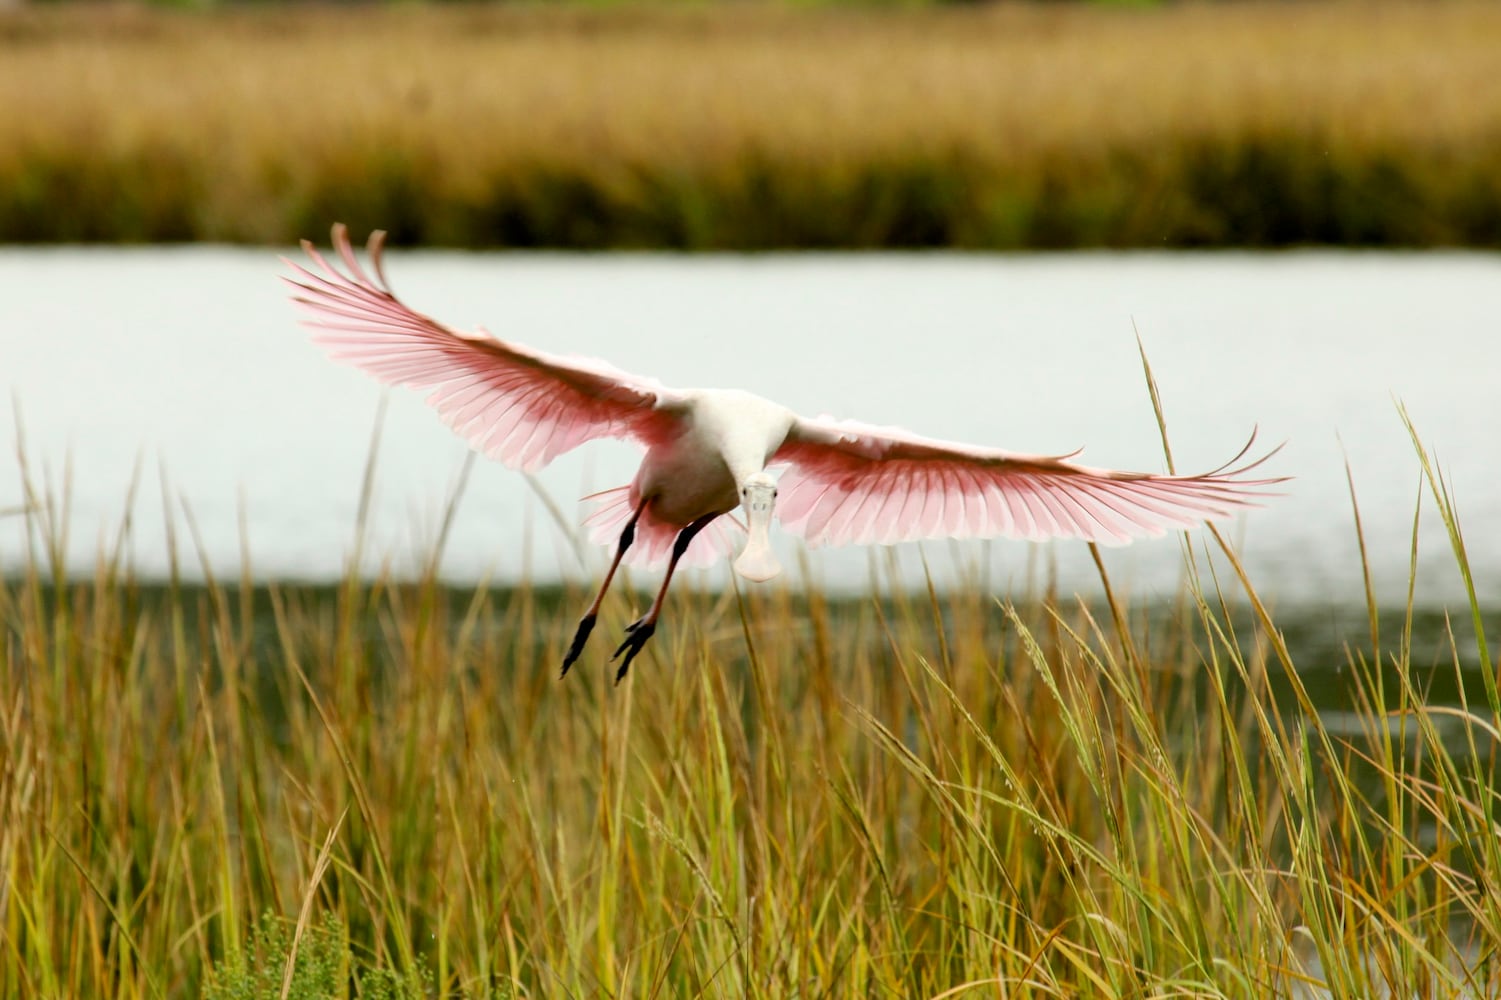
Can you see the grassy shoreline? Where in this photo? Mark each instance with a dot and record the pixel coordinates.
(911, 795)
(755, 128)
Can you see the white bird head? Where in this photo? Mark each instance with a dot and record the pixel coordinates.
(758, 495)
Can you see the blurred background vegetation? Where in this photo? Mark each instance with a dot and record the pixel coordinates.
(761, 126)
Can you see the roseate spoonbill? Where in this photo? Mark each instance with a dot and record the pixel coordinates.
(707, 451)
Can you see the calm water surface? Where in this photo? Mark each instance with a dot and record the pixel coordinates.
(189, 361)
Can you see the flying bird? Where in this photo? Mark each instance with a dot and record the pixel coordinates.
(708, 451)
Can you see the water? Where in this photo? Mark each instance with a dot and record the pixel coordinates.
(188, 361)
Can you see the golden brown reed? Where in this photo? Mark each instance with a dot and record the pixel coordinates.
(902, 795)
(1006, 126)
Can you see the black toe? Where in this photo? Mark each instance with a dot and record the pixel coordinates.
(637, 634)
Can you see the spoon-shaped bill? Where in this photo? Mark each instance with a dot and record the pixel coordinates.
(756, 562)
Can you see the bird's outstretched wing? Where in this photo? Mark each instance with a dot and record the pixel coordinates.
(519, 406)
(853, 483)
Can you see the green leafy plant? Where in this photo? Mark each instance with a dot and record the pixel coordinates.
(280, 964)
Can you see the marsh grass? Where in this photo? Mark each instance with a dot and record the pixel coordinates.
(791, 796)
(1006, 126)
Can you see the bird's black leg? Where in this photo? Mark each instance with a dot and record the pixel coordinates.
(643, 628)
(586, 623)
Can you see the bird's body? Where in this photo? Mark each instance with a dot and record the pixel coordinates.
(707, 452)
(726, 435)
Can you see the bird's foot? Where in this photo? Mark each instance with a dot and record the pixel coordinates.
(586, 625)
(636, 635)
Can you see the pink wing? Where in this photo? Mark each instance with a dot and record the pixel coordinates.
(519, 406)
(852, 483)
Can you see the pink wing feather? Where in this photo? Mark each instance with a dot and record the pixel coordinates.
(853, 483)
(519, 406)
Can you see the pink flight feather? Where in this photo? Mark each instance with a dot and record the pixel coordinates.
(519, 406)
(853, 483)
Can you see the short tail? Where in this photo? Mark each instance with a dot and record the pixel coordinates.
(654, 538)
